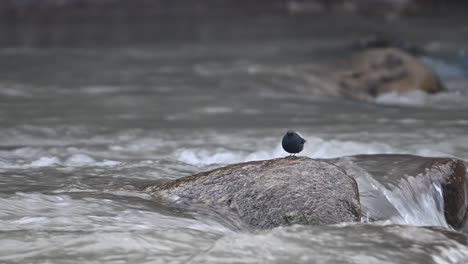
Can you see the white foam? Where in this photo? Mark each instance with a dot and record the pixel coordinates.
(413, 98)
(76, 160)
(206, 157)
(315, 148)
(31, 220)
(100, 89)
(337, 148)
(321, 149)
(80, 160)
(211, 110)
(43, 162)
(139, 145)
(454, 98)
(414, 200)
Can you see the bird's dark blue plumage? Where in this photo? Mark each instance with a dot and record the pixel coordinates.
(292, 142)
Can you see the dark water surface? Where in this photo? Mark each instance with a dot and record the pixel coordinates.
(84, 130)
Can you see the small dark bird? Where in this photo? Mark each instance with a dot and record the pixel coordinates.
(292, 142)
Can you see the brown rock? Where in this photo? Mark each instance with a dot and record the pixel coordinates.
(270, 193)
(454, 188)
(379, 71)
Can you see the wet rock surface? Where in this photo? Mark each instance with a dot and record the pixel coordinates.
(407, 178)
(273, 192)
(284, 191)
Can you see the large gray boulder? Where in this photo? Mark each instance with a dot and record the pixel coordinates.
(270, 193)
(393, 186)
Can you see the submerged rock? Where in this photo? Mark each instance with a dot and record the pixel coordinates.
(379, 71)
(410, 189)
(273, 192)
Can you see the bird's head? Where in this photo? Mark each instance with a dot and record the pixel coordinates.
(290, 133)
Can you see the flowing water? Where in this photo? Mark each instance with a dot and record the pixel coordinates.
(85, 130)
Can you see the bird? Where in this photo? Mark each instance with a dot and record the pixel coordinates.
(292, 142)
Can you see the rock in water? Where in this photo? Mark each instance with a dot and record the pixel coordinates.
(275, 192)
(408, 178)
(379, 71)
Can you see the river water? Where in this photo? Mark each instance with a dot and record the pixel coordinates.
(85, 130)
